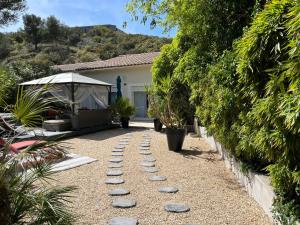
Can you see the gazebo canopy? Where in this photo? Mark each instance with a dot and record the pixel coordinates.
(66, 78)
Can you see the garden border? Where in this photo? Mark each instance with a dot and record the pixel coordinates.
(257, 186)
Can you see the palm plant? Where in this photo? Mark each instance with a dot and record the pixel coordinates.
(27, 196)
(123, 108)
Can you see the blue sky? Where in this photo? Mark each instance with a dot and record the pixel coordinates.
(87, 12)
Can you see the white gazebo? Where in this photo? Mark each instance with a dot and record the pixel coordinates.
(88, 98)
(80, 91)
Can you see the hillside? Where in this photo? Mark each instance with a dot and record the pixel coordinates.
(77, 44)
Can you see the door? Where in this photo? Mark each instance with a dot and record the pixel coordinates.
(140, 103)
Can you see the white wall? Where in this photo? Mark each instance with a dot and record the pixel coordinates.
(133, 78)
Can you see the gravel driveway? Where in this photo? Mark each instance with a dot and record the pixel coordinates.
(204, 184)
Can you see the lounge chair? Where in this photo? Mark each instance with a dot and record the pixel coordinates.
(18, 146)
(11, 129)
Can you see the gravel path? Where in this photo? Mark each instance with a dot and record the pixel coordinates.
(204, 184)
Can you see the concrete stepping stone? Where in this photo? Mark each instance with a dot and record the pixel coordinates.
(116, 160)
(157, 178)
(150, 169)
(115, 165)
(145, 153)
(168, 190)
(123, 221)
(117, 150)
(144, 148)
(114, 173)
(118, 192)
(149, 159)
(119, 147)
(123, 203)
(144, 145)
(148, 164)
(117, 154)
(114, 181)
(177, 208)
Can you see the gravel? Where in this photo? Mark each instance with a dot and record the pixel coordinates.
(205, 185)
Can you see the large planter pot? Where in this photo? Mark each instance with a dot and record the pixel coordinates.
(125, 122)
(157, 125)
(175, 137)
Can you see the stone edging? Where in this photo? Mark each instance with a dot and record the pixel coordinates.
(258, 186)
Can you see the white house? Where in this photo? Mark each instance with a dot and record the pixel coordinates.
(134, 70)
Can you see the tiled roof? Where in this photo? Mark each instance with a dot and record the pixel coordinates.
(119, 61)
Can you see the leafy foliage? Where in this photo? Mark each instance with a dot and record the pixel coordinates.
(9, 11)
(243, 72)
(123, 108)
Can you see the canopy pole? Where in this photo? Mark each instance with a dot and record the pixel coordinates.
(109, 96)
(73, 98)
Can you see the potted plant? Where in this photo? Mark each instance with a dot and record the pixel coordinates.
(124, 110)
(173, 98)
(154, 107)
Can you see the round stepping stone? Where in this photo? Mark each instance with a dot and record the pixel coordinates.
(115, 166)
(168, 189)
(145, 145)
(123, 203)
(149, 159)
(114, 173)
(118, 192)
(120, 147)
(148, 164)
(177, 208)
(144, 148)
(150, 169)
(114, 181)
(117, 154)
(117, 150)
(116, 160)
(145, 152)
(157, 178)
(123, 221)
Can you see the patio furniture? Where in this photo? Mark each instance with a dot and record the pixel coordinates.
(16, 147)
(57, 125)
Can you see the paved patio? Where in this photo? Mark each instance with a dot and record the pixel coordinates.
(142, 169)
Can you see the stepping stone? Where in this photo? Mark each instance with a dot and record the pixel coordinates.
(120, 147)
(157, 178)
(117, 154)
(123, 203)
(150, 169)
(168, 189)
(115, 166)
(114, 173)
(118, 192)
(117, 150)
(116, 160)
(177, 208)
(123, 221)
(114, 181)
(145, 145)
(149, 159)
(144, 148)
(145, 153)
(148, 164)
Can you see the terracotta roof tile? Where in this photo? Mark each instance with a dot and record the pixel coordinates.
(119, 61)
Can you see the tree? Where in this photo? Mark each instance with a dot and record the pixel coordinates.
(9, 10)
(53, 28)
(33, 26)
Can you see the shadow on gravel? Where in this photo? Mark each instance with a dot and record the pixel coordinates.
(195, 152)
